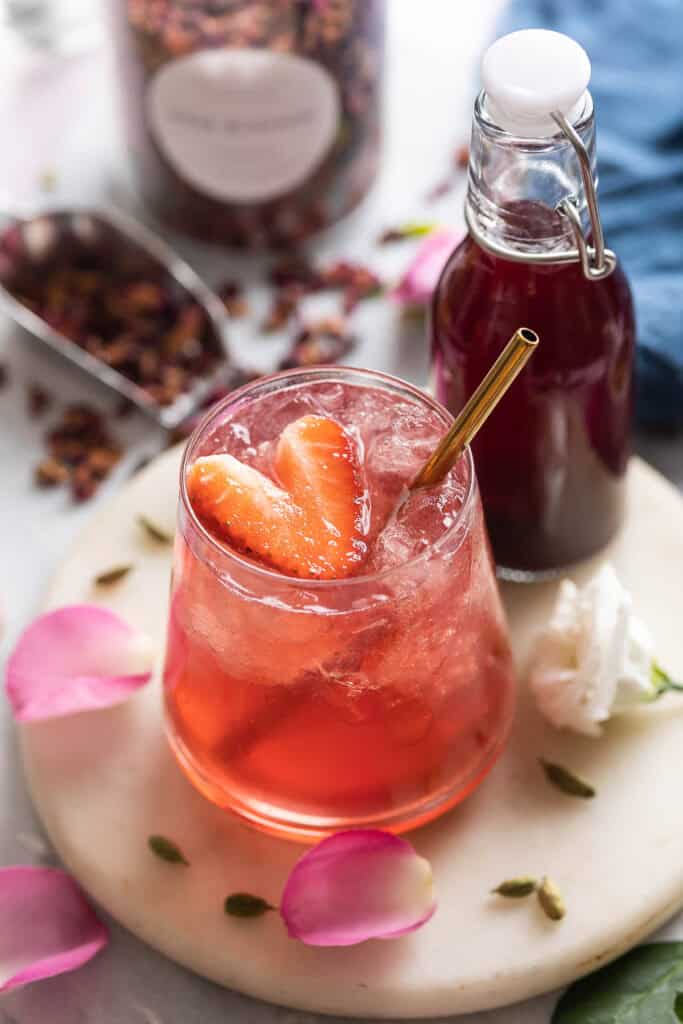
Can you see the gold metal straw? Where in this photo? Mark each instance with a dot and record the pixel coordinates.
(511, 360)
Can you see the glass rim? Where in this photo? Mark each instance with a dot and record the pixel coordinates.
(303, 375)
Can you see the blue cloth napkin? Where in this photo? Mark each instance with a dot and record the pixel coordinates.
(636, 51)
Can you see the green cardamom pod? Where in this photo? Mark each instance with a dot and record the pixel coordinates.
(112, 575)
(551, 901)
(167, 850)
(516, 888)
(154, 531)
(243, 904)
(566, 781)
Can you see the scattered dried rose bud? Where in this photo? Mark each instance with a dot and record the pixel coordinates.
(461, 157)
(51, 472)
(124, 409)
(298, 271)
(231, 295)
(81, 450)
(321, 342)
(101, 461)
(83, 483)
(283, 307)
(37, 399)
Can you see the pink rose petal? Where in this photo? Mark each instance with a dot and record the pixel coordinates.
(77, 658)
(46, 926)
(355, 886)
(422, 276)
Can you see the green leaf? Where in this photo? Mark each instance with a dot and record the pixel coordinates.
(411, 229)
(643, 987)
(662, 680)
(167, 850)
(243, 904)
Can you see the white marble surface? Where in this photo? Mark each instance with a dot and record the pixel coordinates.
(61, 116)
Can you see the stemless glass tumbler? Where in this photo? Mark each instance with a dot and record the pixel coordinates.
(309, 706)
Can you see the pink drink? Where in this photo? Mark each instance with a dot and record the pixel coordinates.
(380, 699)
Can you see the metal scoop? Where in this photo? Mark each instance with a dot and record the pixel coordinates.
(42, 231)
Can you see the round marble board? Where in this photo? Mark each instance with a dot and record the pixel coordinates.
(101, 786)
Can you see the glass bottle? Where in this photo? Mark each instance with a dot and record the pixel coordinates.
(551, 463)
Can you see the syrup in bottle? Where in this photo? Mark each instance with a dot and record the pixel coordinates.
(551, 463)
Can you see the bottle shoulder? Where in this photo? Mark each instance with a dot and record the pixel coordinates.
(471, 270)
(481, 299)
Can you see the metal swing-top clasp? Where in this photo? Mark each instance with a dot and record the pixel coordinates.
(596, 260)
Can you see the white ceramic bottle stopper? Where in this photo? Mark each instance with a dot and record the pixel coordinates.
(528, 74)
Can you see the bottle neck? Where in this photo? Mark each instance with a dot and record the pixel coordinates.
(515, 186)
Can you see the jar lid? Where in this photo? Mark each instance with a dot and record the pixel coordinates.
(529, 74)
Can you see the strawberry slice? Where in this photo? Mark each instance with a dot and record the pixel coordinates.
(317, 461)
(242, 505)
(312, 529)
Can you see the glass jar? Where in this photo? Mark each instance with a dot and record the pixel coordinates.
(312, 705)
(251, 122)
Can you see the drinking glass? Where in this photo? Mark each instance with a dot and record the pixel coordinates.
(308, 706)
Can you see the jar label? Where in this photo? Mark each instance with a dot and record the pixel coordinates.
(243, 125)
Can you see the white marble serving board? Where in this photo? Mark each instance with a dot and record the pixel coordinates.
(103, 783)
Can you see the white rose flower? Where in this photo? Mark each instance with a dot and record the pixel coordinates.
(595, 658)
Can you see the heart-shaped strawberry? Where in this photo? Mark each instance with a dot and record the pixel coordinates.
(314, 525)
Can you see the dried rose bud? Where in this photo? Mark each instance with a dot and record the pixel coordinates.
(231, 295)
(461, 157)
(80, 417)
(124, 408)
(83, 483)
(298, 271)
(101, 461)
(38, 399)
(81, 451)
(187, 326)
(357, 281)
(121, 350)
(325, 341)
(284, 306)
(51, 472)
(68, 450)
